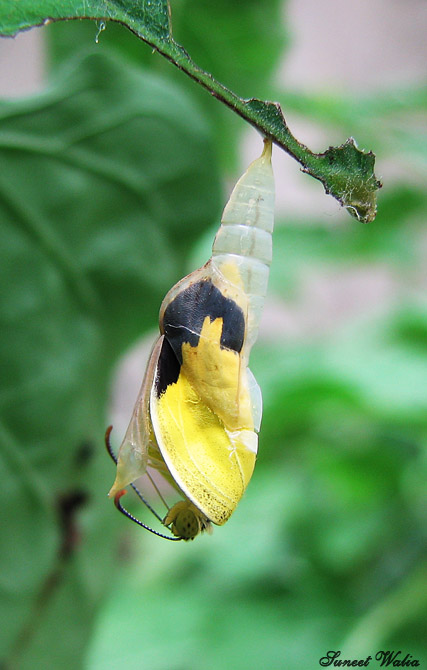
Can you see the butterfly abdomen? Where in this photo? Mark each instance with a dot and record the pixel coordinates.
(244, 237)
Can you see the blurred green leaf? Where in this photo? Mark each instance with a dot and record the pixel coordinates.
(250, 38)
(104, 179)
(393, 242)
(63, 38)
(367, 368)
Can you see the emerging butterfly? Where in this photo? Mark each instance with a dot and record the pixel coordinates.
(199, 409)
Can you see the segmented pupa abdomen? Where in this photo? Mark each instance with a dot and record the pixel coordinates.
(244, 237)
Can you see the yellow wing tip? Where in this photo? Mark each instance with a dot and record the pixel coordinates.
(120, 482)
(114, 489)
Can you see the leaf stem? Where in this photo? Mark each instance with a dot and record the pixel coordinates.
(345, 172)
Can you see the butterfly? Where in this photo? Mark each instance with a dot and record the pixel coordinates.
(197, 416)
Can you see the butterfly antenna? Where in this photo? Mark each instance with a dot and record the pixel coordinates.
(137, 491)
(130, 516)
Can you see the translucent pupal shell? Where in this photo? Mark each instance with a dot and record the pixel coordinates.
(199, 408)
(244, 239)
(133, 453)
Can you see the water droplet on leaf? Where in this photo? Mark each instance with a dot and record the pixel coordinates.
(101, 27)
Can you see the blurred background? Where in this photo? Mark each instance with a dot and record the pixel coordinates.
(114, 171)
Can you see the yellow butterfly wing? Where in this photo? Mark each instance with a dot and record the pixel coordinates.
(200, 403)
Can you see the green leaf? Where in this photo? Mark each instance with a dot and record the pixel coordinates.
(351, 173)
(105, 179)
(346, 172)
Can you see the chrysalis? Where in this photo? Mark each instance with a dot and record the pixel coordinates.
(199, 409)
